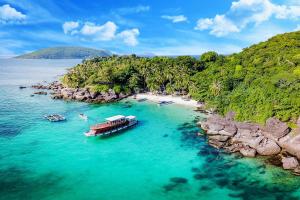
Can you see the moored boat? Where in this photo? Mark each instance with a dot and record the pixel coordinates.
(161, 103)
(112, 125)
(55, 118)
(83, 116)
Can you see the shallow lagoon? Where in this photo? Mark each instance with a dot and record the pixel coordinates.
(159, 159)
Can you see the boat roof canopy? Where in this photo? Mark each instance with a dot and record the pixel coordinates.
(115, 118)
(130, 117)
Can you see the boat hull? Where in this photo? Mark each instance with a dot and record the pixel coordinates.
(111, 132)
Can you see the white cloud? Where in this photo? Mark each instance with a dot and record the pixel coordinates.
(245, 12)
(132, 10)
(9, 14)
(103, 32)
(219, 26)
(176, 18)
(203, 24)
(130, 36)
(297, 28)
(69, 27)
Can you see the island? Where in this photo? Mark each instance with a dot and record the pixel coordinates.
(67, 52)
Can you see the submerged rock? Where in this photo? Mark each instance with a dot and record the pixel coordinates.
(40, 93)
(178, 180)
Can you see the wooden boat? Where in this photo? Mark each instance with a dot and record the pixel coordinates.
(112, 125)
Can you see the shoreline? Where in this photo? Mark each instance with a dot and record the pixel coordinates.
(175, 99)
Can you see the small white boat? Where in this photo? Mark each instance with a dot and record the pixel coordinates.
(83, 116)
(55, 118)
(161, 103)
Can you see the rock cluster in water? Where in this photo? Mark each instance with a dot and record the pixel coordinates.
(79, 94)
(274, 139)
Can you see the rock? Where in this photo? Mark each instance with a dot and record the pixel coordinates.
(215, 127)
(275, 129)
(40, 93)
(204, 125)
(57, 96)
(215, 143)
(291, 144)
(290, 163)
(211, 132)
(297, 171)
(230, 116)
(178, 180)
(247, 126)
(224, 132)
(221, 138)
(247, 137)
(268, 147)
(230, 128)
(275, 160)
(248, 151)
(93, 95)
(234, 148)
(79, 97)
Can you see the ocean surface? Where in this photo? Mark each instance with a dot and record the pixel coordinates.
(161, 158)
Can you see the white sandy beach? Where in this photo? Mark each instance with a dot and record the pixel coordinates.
(176, 100)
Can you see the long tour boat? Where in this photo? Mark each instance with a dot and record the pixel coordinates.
(112, 125)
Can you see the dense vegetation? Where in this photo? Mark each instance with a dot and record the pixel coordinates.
(65, 53)
(261, 81)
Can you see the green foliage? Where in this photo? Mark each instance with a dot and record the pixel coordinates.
(261, 81)
(117, 89)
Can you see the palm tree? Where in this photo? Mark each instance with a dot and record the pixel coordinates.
(215, 88)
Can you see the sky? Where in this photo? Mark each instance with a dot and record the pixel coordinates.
(177, 27)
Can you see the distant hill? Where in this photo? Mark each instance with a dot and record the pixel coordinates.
(65, 53)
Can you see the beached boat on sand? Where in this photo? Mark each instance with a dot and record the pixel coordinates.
(112, 125)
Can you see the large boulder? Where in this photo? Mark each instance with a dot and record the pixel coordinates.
(67, 93)
(275, 129)
(215, 127)
(230, 128)
(247, 126)
(248, 151)
(291, 144)
(268, 147)
(245, 136)
(227, 133)
(290, 163)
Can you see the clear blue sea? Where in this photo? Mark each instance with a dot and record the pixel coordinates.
(162, 158)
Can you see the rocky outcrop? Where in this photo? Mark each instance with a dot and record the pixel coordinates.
(275, 139)
(80, 94)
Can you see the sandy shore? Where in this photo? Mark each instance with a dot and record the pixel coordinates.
(176, 100)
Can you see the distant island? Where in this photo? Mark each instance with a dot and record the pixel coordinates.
(65, 53)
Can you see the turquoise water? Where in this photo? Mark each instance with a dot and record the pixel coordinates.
(159, 159)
